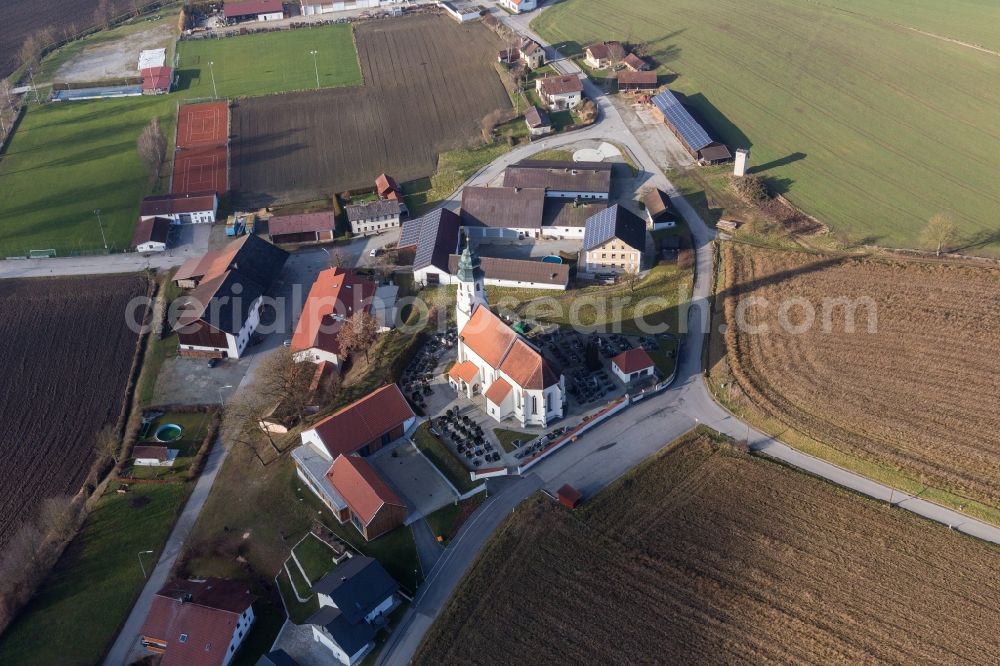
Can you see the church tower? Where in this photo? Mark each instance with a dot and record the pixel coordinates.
(471, 285)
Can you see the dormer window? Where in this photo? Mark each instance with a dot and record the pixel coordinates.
(183, 638)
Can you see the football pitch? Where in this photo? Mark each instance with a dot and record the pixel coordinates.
(70, 159)
(871, 115)
(263, 64)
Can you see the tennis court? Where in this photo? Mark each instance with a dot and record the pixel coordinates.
(200, 125)
(201, 170)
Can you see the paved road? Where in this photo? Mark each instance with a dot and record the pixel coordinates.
(127, 639)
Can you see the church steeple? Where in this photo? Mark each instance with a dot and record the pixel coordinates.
(471, 284)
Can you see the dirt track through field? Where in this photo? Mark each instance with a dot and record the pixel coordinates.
(918, 394)
(428, 82)
(708, 556)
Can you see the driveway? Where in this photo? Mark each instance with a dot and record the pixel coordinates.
(126, 647)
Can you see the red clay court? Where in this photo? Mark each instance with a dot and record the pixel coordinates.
(201, 169)
(200, 125)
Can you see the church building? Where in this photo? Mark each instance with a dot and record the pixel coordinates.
(493, 360)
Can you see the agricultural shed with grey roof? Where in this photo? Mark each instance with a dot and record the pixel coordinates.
(536, 118)
(506, 207)
(688, 130)
(570, 212)
(585, 179)
(615, 222)
(497, 270)
(372, 209)
(431, 238)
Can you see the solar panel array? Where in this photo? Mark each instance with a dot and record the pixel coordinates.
(675, 113)
(423, 232)
(600, 228)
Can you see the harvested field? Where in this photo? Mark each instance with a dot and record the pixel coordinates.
(706, 555)
(63, 372)
(428, 83)
(59, 15)
(917, 395)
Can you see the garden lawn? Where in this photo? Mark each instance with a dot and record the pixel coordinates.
(275, 62)
(508, 437)
(861, 119)
(68, 159)
(653, 305)
(79, 608)
(315, 557)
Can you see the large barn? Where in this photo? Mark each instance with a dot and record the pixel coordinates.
(254, 10)
(691, 134)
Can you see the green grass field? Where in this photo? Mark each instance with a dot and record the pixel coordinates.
(274, 62)
(68, 159)
(74, 616)
(864, 122)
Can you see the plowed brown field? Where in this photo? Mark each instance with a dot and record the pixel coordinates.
(20, 20)
(65, 361)
(920, 394)
(428, 83)
(708, 556)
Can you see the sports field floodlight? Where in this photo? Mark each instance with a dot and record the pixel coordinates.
(97, 212)
(141, 565)
(211, 70)
(316, 67)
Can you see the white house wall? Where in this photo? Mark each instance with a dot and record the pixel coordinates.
(239, 634)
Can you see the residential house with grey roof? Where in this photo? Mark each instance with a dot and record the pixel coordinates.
(614, 241)
(355, 600)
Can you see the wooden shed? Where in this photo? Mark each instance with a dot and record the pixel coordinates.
(569, 496)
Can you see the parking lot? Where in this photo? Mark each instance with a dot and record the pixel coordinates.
(412, 476)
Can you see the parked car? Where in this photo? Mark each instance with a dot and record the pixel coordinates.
(212, 362)
(374, 252)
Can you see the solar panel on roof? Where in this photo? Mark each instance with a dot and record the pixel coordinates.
(675, 113)
(600, 228)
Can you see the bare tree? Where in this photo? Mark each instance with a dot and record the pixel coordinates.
(588, 111)
(107, 445)
(31, 50)
(632, 279)
(338, 259)
(241, 423)
(385, 264)
(103, 14)
(358, 332)
(616, 53)
(939, 232)
(280, 380)
(57, 517)
(490, 121)
(152, 147)
(6, 96)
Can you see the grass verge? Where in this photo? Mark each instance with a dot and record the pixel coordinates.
(508, 437)
(91, 589)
